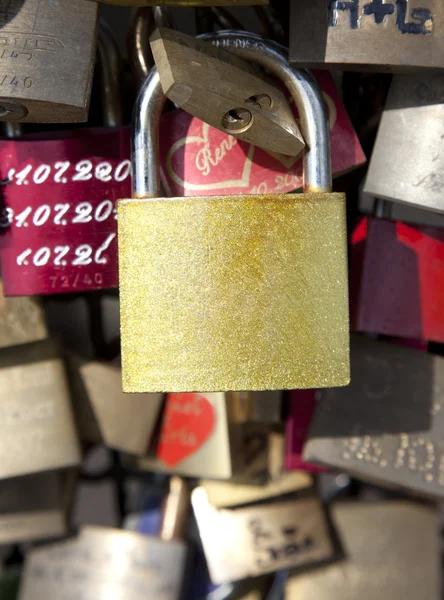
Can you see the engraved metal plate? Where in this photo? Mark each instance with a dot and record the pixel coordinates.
(48, 53)
(37, 430)
(105, 563)
(382, 34)
(392, 553)
(257, 539)
(407, 161)
(388, 425)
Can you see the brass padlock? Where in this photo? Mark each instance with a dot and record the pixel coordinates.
(49, 48)
(35, 507)
(255, 539)
(21, 320)
(234, 293)
(105, 415)
(201, 435)
(389, 35)
(392, 551)
(37, 430)
(103, 563)
(225, 91)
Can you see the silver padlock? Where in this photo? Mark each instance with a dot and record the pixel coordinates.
(407, 162)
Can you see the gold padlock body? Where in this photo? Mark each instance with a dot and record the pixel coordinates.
(234, 293)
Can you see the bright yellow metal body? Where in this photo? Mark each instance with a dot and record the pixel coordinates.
(234, 293)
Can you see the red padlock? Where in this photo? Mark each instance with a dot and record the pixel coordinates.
(301, 406)
(397, 279)
(58, 213)
(197, 159)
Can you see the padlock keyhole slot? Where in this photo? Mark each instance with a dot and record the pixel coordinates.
(237, 120)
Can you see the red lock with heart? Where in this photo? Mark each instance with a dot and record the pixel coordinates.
(197, 159)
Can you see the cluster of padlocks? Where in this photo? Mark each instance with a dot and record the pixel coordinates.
(221, 311)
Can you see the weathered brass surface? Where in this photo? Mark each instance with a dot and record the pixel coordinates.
(234, 293)
(21, 320)
(124, 421)
(226, 494)
(392, 552)
(225, 91)
(48, 53)
(388, 36)
(388, 425)
(104, 563)
(257, 539)
(37, 430)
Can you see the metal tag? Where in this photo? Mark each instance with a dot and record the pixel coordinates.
(21, 320)
(388, 425)
(37, 430)
(257, 539)
(388, 35)
(408, 168)
(48, 52)
(105, 563)
(225, 92)
(392, 552)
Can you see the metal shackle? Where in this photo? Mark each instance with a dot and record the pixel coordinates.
(111, 71)
(270, 55)
(144, 21)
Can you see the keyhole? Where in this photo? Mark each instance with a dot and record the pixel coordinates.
(260, 101)
(237, 120)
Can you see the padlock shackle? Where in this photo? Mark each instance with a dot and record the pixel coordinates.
(306, 93)
(302, 86)
(145, 19)
(111, 71)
